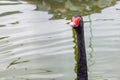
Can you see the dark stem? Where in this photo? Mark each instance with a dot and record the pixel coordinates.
(82, 61)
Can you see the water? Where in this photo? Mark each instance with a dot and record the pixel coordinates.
(36, 43)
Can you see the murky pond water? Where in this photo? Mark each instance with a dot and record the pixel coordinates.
(36, 43)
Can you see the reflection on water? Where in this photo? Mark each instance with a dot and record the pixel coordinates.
(91, 60)
(37, 44)
(66, 8)
(75, 49)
